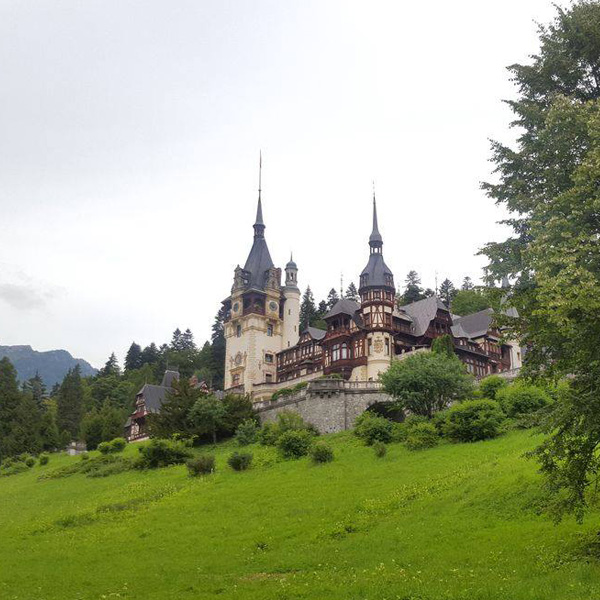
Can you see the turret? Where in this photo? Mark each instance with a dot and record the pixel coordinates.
(291, 307)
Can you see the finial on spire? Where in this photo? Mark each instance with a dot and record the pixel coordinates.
(375, 239)
(259, 225)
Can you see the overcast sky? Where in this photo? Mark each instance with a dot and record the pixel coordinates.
(129, 141)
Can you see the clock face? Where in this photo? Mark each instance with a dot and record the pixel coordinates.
(273, 306)
(236, 307)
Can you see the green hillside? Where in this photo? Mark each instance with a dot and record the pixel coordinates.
(455, 522)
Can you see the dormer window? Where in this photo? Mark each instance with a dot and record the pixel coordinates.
(270, 330)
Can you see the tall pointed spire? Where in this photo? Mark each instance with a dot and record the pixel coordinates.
(259, 225)
(375, 239)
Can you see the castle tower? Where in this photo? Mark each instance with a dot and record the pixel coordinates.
(291, 307)
(377, 296)
(254, 321)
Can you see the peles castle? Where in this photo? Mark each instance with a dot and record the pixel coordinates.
(267, 351)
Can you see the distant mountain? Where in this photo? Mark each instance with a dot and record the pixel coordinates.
(51, 365)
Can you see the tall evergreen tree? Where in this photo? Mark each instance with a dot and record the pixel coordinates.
(150, 354)
(308, 310)
(332, 298)
(447, 292)
(352, 292)
(36, 388)
(187, 340)
(111, 367)
(133, 358)
(413, 290)
(10, 398)
(177, 340)
(218, 349)
(467, 284)
(69, 403)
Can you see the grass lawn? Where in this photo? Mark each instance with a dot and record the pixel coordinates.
(454, 522)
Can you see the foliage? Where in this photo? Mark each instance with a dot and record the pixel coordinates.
(268, 434)
(413, 290)
(473, 420)
(288, 390)
(237, 410)
(443, 345)
(371, 428)
(112, 447)
(380, 449)
(208, 415)
(29, 461)
(201, 465)
(352, 293)
(520, 399)
(490, 386)
(321, 452)
(549, 182)
(247, 432)
(240, 461)
(133, 358)
(308, 310)
(294, 443)
(447, 292)
(161, 453)
(421, 436)
(44, 458)
(427, 382)
(469, 301)
(69, 403)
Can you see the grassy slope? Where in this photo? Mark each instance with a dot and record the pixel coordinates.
(457, 521)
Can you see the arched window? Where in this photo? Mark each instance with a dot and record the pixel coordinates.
(344, 351)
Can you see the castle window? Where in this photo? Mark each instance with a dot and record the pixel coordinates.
(236, 379)
(370, 346)
(377, 294)
(335, 354)
(344, 353)
(269, 358)
(238, 331)
(387, 347)
(268, 377)
(270, 330)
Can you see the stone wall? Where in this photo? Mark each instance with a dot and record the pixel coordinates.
(331, 405)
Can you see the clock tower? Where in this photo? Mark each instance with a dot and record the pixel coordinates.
(254, 323)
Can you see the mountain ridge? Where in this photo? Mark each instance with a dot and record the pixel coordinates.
(52, 365)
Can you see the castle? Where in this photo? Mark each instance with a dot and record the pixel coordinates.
(266, 351)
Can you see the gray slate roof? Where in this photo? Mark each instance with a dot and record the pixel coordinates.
(154, 396)
(259, 259)
(423, 312)
(169, 377)
(344, 306)
(316, 333)
(376, 271)
(474, 325)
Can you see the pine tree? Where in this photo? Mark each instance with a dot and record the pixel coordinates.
(413, 290)
(467, 284)
(352, 292)
(69, 403)
(10, 398)
(133, 358)
(177, 340)
(308, 310)
(49, 431)
(173, 417)
(187, 340)
(447, 292)
(111, 367)
(150, 354)
(332, 298)
(36, 388)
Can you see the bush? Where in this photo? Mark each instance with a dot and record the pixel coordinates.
(522, 399)
(294, 443)
(473, 420)
(380, 449)
(268, 434)
(320, 452)
(12, 468)
(29, 461)
(421, 436)
(44, 458)
(240, 461)
(112, 447)
(288, 420)
(161, 453)
(489, 386)
(371, 428)
(247, 432)
(85, 456)
(201, 465)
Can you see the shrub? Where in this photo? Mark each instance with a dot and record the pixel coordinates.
(473, 420)
(44, 458)
(85, 456)
(201, 465)
(112, 447)
(421, 436)
(371, 428)
(160, 453)
(29, 461)
(380, 449)
(320, 452)
(247, 432)
(294, 443)
(489, 386)
(12, 468)
(240, 461)
(522, 399)
(268, 434)
(288, 420)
